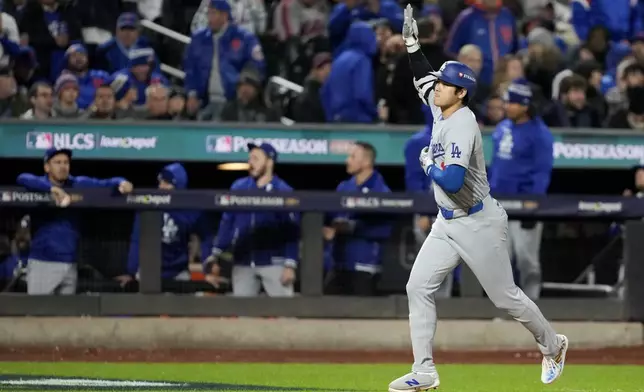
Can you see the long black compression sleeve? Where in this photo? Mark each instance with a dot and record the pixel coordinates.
(419, 64)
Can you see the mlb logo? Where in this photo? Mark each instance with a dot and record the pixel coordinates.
(460, 74)
(220, 144)
(224, 200)
(40, 140)
(6, 196)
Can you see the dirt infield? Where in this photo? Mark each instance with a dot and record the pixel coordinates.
(617, 356)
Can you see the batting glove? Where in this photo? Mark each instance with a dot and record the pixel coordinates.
(426, 159)
(410, 30)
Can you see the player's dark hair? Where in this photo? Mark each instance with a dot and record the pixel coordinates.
(33, 90)
(369, 148)
(466, 99)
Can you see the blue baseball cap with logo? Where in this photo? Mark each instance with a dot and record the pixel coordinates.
(268, 149)
(51, 152)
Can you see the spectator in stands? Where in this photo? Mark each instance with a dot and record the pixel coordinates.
(494, 111)
(308, 105)
(522, 163)
(13, 101)
(176, 230)
(472, 56)
(249, 106)
(156, 102)
(300, 26)
(621, 18)
(49, 26)
(125, 95)
(141, 72)
(543, 59)
(215, 58)
(632, 75)
(52, 257)
(491, 27)
(263, 245)
(391, 51)
(98, 18)
(633, 116)
(114, 55)
(66, 90)
(104, 106)
(357, 239)
(24, 66)
(509, 68)
(177, 105)
(77, 63)
(42, 102)
(250, 15)
(404, 105)
(572, 109)
(347, 95)
(347, 11)
(592, 72)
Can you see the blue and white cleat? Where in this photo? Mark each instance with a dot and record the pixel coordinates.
(414, 382)
(552, 367)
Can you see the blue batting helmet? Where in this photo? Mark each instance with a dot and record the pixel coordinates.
(459, 75)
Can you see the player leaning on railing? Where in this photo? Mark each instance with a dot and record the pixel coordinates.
(471, 225)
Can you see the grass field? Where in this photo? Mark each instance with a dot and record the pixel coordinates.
(305, 377)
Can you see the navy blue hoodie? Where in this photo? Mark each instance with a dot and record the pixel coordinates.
(260, 238)
(348, 93)
(177, 226)
(55, 230)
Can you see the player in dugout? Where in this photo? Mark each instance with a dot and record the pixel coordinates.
(176, 230)
(51, 265)
(354, 240)
(264, 244)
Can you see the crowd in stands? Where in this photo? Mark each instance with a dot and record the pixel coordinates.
(89, 59)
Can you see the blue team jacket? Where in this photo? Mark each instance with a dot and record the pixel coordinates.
(88, 84)
(361, 250)
(495, 35)
(55, 230)
(348, 95)
(176, 228)
(342, 17)
(237, 49)
(260, 238)
(622, 18)
(154, 78)
(114, 57)
(522, 160)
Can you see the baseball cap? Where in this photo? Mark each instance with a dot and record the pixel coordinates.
(268, 149)
(519, 91)
(127, 20)
(50, 153)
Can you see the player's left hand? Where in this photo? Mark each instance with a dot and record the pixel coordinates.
(426, 159)
(125, 187)
(410, 28)
(288, 276)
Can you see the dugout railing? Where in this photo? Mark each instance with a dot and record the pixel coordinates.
(311, 303)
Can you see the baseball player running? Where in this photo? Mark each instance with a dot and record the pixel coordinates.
(471, 225)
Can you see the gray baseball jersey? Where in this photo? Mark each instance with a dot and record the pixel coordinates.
(479, 239)
(456, 141)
